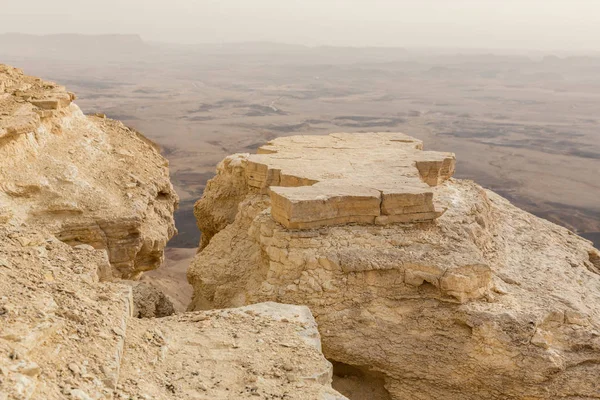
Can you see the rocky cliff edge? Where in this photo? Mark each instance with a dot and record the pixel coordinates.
(437, 285)
(84, 201)
(88, 179)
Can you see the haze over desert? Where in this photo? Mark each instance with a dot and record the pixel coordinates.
(317, 200)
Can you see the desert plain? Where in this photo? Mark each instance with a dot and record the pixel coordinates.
(524, 124)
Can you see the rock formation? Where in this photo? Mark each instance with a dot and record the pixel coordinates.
(65, 335)
(85, 201)
(443, 288)
(265, 351)
(89, 180)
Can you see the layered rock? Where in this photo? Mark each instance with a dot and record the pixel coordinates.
(341, 178)
(484, 301)
(83, 200)
(90, 180)
(65, 334)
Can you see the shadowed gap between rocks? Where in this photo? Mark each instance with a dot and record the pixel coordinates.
(358, 383)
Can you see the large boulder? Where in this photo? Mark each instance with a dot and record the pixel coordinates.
(443, 288)
(88, 179)
(66, 335)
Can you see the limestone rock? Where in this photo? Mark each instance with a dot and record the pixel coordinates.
(149, 302)
(261, 351)
(64, 333)
(66, 326)
(70, 173)
(484, 301)
(338, 179)
(61, 330)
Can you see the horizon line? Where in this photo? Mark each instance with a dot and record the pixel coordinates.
(308, 46)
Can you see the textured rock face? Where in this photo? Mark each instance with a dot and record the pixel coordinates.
(89, 180)
(265, 350)
(64, 334)
(149, 302)
(484, 301)
(67, 331)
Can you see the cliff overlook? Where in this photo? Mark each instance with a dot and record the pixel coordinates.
(88, 179)
(86, 203)
(421, 286)
(433, 287)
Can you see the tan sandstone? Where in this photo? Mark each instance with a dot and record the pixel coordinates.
(89, 180)
(484, 301)
(66, 335)
(342, 178)
(83, 201)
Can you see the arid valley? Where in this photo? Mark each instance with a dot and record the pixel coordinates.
(348, 249)
(525, 125)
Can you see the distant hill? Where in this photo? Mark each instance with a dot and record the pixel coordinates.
(68, 45)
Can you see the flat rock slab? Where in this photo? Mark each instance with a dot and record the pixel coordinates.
(322, 204)
(61, 331)
(367, 178)
(262, 351)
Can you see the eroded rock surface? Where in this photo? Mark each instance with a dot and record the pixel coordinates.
(378, 178)
(62, 331)
(484, 301)
(90, 180)
(149, 302)
(66, 335)
(84, 200)
(268, 351)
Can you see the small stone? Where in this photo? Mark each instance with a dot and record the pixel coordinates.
(74, 368)
(198, 318)
(118, 331)
(84, 247)
(31, 369)
(80, 394)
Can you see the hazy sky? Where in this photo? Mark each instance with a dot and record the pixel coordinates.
(522, 24)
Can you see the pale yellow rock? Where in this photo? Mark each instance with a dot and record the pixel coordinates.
(329, 174)
(57, 319)
(62, 331)
(324, 204)
(65, 171)
(66, 324)
(482, 301)
(264, 350)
